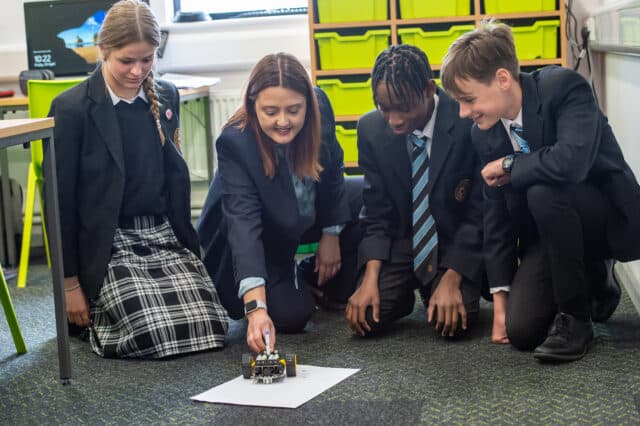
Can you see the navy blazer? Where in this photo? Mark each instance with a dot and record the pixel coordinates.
(571, 141)
(250, 226)
(455, 195)
(91, 176)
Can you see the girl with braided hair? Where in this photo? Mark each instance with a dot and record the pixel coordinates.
(131, 256)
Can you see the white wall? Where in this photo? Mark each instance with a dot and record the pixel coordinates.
(622, 85)
(230, 48)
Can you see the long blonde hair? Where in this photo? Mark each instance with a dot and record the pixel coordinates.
(131, 21)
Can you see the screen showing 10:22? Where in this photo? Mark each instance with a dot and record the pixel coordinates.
(62, 35)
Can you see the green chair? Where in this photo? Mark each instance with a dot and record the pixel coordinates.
(10, 313)
(41, 93)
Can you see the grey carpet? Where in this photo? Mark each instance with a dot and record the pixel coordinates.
(408, 376)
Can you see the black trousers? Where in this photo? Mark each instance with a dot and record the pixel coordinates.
(561, 261)
(342, 286)
(397, 284)
(289, 298)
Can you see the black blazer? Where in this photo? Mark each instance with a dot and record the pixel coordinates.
(90, 169)
(250, 226)
(455, 194)
(571, 142)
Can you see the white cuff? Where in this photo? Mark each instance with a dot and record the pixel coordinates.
(249, 283)
(494, 290)
(333, 230)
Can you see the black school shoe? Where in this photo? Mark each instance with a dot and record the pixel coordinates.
(605, 300)
(569, 339)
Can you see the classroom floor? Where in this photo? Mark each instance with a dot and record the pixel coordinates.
(407, 376)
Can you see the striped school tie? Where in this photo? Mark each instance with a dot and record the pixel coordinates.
(516, 132)
(425, 237)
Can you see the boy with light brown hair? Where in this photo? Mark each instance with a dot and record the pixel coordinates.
(559, 198)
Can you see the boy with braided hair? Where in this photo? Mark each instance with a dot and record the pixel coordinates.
(421, 216)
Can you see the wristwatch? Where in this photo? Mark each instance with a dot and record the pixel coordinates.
(507, 163)
(253, 305)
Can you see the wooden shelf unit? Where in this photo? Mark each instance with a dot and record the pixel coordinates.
(394, 22)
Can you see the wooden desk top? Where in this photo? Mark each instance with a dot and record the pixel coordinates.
(24, 125)
(14, 101)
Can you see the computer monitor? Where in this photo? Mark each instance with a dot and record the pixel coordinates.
(62, 34)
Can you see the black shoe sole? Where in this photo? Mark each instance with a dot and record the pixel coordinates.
(549, 357)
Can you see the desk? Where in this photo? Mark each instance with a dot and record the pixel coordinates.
(12, 104)
(16, 132)
(195, 116)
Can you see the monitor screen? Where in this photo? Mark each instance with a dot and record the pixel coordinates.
(62, 34)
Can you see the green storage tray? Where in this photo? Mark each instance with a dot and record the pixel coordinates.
(348, 98)
(537, 41)
(515, 6)
(352, 11)
(348, 139)
(358, 51)
(433, 9)
(434, 43)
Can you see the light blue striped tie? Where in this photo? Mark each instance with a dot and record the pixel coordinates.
(425, 237)
(516, 132)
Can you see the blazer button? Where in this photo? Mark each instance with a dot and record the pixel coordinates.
(430, 268)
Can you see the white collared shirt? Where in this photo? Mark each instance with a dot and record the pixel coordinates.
(428, 130)
(517, 122)
(115, 98)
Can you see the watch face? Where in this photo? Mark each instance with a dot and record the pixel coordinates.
(507, 162)
(250, 306)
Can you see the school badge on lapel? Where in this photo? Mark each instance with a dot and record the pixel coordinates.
(176, 138)
(168, 113)
(462, 190)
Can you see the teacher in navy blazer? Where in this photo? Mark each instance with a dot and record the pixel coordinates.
(280, 178)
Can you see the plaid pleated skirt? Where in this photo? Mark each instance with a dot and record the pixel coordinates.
(157, 299)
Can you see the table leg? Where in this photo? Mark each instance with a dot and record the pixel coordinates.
(8, 214)
(55, 248)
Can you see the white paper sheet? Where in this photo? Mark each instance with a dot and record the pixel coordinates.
(291, 392)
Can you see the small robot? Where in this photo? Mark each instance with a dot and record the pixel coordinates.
(268, 367)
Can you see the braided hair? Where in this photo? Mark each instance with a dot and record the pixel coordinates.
(405, 71)
(131, 21)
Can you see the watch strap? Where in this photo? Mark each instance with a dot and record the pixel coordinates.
(253, 305)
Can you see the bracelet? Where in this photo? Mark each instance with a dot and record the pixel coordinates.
(72, 288)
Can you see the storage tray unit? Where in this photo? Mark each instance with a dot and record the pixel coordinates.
(434, 43)
(537, 41)
(354, 51)
(516, 6)
(348, 98)
(330, 11)
(348, 139)
(410, 9)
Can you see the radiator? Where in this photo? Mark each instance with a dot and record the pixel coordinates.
(224, 104)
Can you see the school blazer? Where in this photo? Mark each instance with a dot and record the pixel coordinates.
(571, 141)
(455, 196)
(90, 171)
(250, 226)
